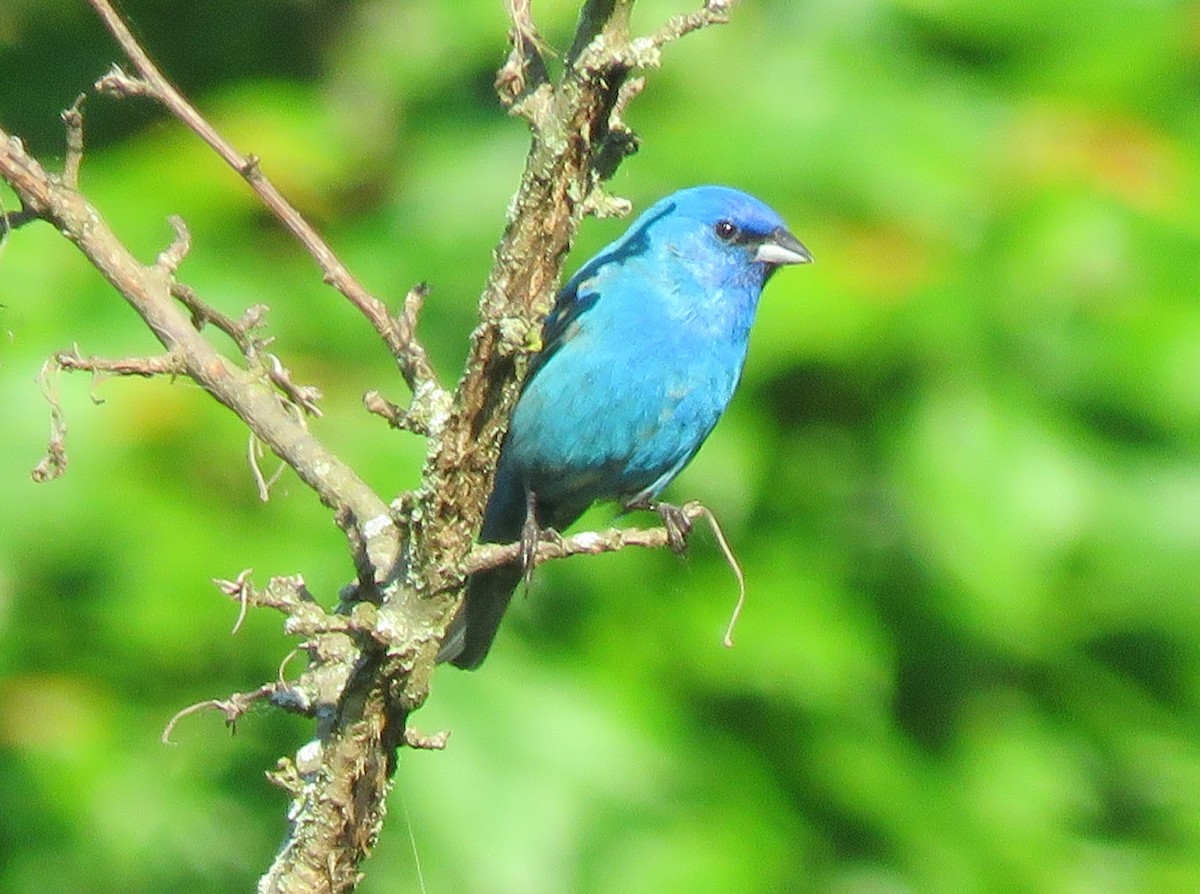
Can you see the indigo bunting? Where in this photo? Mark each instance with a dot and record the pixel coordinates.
(640, 356)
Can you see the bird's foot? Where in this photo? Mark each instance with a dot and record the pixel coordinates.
(674, 519)
(531, 535)
(678, 526)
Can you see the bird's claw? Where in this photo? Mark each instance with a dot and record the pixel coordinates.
(678, 526)
(531, 536)
(677, 522)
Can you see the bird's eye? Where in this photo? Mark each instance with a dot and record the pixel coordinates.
(725, 230)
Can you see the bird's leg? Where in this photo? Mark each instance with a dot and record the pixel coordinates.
(530, 535)
(674, 519)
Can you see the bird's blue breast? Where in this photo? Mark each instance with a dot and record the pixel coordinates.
(632, 389)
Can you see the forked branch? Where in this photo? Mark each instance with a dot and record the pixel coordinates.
(149, 290)
(152, 84)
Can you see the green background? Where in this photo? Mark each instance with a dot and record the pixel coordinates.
(962, 470)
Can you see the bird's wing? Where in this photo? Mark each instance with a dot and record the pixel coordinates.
(584, 289)
(574, 300)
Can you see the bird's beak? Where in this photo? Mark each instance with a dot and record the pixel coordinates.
(781, 247)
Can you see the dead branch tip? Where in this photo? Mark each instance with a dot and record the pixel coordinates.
(54, 463)
(73, 119)
(435, 742)
(170, 258)
(234, 708)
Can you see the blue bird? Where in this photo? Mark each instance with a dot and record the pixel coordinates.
(641, 355)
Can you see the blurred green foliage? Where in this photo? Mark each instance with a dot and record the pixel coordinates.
(963, 470)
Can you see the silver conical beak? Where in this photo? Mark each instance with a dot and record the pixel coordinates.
(781, 247)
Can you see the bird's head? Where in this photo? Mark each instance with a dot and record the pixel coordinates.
(730, 232)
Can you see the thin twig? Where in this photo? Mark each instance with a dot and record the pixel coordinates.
(152, 84)
(13, 220)
(253, 347)
(735, 566)
(168, 364)
(233, 708)
(525, 69)
(242, 594)
(73, 119)
(171, 257)
(416, 368)
(304, 397)
(714, 12)
(54, 463)
(203, 314)
(262, 483)
(290, 596)
(280, 675)
(396, 416)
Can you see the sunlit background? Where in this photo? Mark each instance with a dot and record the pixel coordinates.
(962, 470)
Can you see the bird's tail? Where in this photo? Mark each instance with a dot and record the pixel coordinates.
(488, 593)
(473, 629)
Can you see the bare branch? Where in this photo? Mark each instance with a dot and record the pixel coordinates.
(672, 534)
(152, 84)
(588, 543)
(288, 595)
(119, 84)
(168, 364)
(148, 290)
(304, 397)
(242, 332)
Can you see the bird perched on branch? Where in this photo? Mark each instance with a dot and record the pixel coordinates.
(641, 355)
